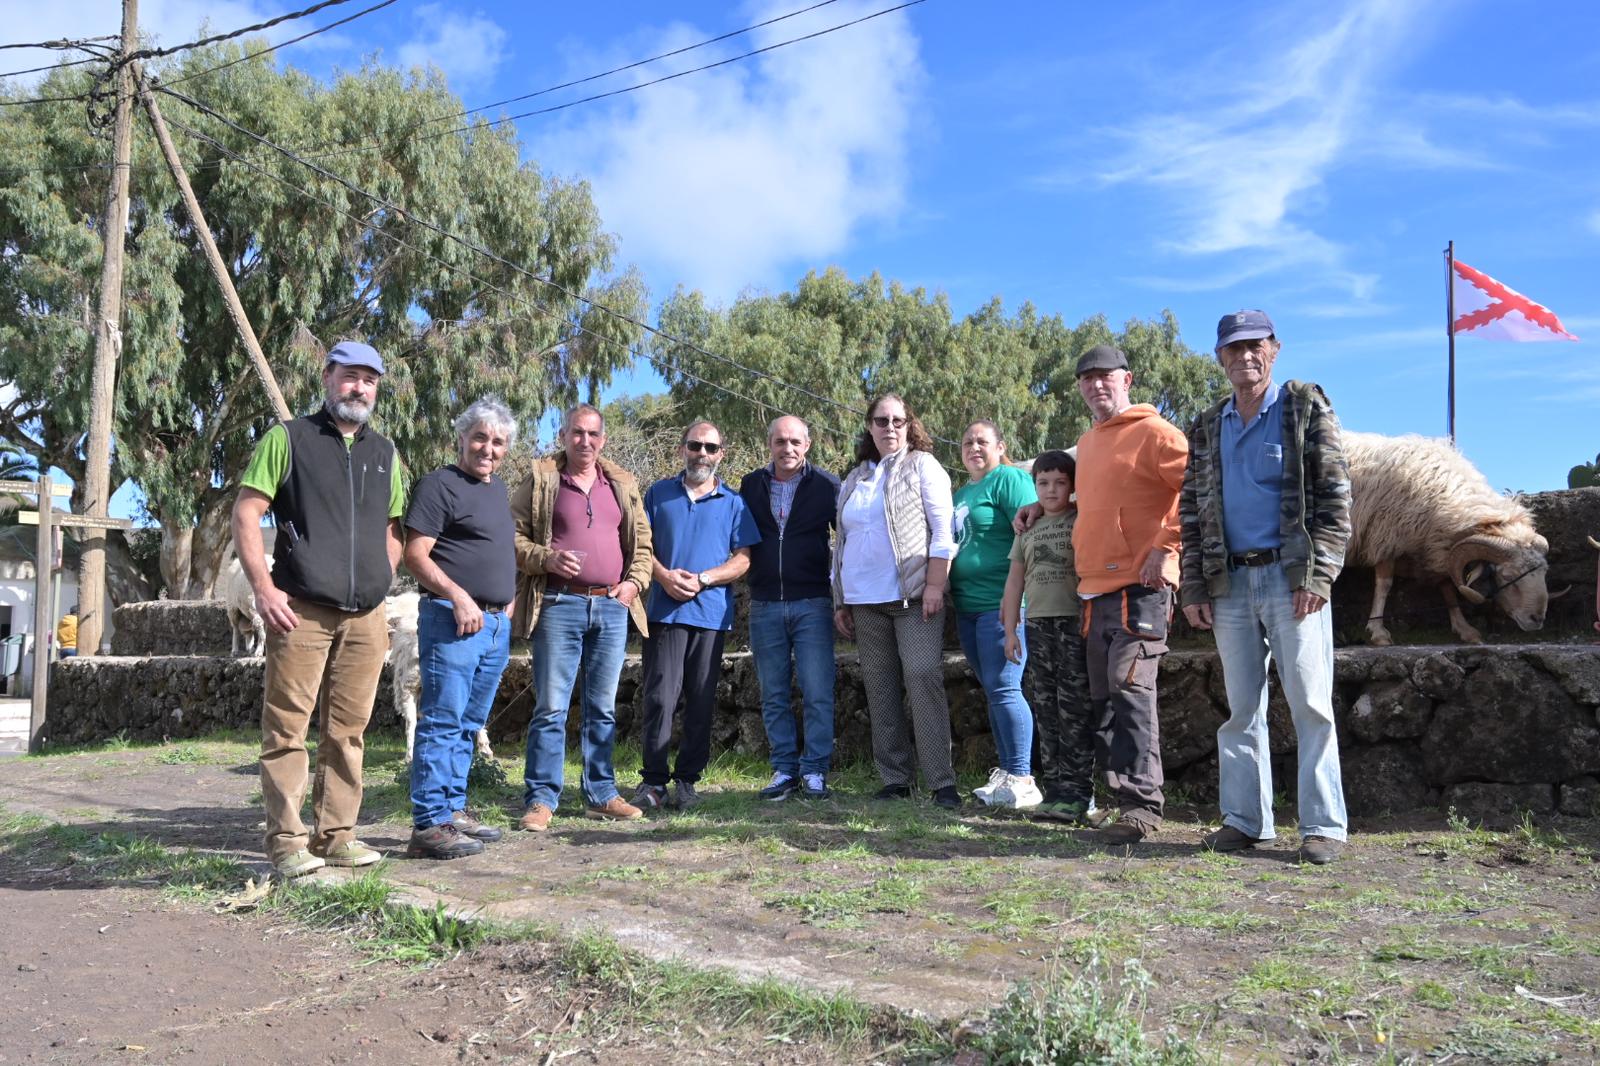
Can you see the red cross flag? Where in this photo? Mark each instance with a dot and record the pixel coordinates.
(1485, 308)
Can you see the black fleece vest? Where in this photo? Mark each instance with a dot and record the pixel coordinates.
(332, 513)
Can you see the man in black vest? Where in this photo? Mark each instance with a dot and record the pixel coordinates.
(335, 493)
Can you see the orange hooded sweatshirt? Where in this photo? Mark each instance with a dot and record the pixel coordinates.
(1130, 469)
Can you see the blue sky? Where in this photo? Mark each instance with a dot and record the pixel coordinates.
(1311, 160)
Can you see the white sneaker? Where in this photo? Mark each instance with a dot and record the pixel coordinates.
(997, 778)
(1017, 793)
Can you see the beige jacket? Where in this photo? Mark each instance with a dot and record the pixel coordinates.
(533, 507)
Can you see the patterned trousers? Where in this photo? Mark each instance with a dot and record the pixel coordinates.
(1056, 681)
(903, 656)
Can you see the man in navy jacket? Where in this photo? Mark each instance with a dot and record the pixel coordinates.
(791, 607)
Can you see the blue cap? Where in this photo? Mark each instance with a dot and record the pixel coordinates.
(354, 353)
(1243, 326)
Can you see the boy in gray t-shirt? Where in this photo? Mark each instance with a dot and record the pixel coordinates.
(1056, 679)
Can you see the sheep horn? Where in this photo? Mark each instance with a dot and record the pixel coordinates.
(1595, 544)
(1557, 595)
(1473, 549)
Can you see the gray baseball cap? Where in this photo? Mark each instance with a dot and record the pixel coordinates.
(354, 353)
(1243, 326)
(1102, 357)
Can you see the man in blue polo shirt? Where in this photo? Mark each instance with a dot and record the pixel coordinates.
(702, 532)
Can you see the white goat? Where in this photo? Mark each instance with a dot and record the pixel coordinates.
(1418, 499)
(240, 601)
(405, 668)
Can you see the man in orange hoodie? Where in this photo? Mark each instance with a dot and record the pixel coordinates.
(1130, 471)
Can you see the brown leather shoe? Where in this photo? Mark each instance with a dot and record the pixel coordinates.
(1124, 832)
(615, 809)
(470, 826)
(1320, 851)
(1229, 839)
(536, 819)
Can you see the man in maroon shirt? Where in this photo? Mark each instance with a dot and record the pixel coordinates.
(583, 562)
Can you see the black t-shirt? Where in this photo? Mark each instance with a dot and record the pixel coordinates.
(475, 534)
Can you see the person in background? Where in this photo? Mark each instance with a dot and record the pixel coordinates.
(791, 608)
(890, 567)
(462, 551)
(1056, 679)
(67, 633)
(984, 507)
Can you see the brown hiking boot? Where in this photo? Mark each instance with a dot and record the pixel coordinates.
(475, 829)
(536, 819)
(1125, 832)
(615, 809)
(1320, 851)
(1229, 839)
(442, 841)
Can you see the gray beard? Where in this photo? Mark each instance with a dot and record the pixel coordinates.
(698, 475)
(352, 411)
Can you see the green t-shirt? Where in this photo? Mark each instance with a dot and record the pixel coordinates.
(984, 510)
(1049, 582)
(271, 462)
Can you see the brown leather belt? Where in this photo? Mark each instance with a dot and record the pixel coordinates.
(578, 590)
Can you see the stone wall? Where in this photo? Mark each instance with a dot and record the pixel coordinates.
(1488, 730)
(171, 627)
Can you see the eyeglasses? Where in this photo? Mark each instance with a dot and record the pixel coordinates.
(884, 422)
(710, 447)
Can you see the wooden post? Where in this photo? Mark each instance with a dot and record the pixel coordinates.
(107, 352)
(42, 622)
(219, 269)
(1450, 331)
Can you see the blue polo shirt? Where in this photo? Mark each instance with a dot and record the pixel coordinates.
(1252, 476)
(694, 535)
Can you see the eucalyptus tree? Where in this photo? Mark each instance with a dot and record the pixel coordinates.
(314, 262)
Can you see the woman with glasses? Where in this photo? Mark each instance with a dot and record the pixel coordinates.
(890, 567)
(983, 510)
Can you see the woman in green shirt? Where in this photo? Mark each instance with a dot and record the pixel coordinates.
(984, 507)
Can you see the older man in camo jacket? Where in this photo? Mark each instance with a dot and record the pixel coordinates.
(1265, 510)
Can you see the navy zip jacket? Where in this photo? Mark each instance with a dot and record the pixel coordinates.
(796, 565)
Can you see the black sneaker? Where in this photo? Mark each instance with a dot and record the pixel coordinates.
(947, 797)
(893, 792)
(470, 826)
(814, 787)
(684, 796)
(443, 841)
(780, 788)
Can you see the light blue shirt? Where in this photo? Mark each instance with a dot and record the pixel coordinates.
(1252, 477)
(696, 535)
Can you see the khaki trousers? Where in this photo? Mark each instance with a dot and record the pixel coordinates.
(341, 656)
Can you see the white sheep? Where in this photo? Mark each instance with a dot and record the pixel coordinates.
(405, 668)
(1420, 500)
(240, 600)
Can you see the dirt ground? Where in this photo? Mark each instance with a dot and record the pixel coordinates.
(1430, 939)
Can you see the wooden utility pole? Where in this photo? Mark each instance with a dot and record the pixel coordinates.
(219, 269)
(43, 624)
(107, 351)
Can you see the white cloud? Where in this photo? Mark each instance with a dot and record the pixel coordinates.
(469, 48)
(724, 178)
(1244, 172)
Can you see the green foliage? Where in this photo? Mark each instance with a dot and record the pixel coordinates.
(1584, 475)
(189, 410)
(1092, 1017)
(848, 341)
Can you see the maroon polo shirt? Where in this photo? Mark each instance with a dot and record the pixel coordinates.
(589, 522)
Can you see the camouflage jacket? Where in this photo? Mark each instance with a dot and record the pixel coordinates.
(1315, 515)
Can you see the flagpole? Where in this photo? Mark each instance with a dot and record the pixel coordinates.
(1450, 331)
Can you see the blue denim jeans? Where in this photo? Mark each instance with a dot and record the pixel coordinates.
(1010, 720)
(574, 632)
(794, 639)
(1255, 624)
(460, 676)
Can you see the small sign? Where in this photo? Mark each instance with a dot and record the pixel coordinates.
(33, 487)
(61, 518)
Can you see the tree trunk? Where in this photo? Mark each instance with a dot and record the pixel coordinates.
(177, 540)
(210, 547)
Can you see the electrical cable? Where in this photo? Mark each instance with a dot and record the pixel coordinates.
(284, 44)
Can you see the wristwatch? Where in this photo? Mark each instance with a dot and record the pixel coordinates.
(705, 579)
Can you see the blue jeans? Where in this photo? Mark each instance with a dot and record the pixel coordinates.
(1010, 720)
(460, 676)
(801, 632)
(574, 632)
(1255, 623)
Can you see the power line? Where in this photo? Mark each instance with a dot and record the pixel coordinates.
(62, 43)
(156, 53)
(285, 44)
(486, 283)
(488, 254)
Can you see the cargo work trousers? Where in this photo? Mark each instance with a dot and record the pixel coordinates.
(1125, 636)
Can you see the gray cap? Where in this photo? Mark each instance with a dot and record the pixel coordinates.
(354, 353)
(1243, 326)
(1102, 357)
